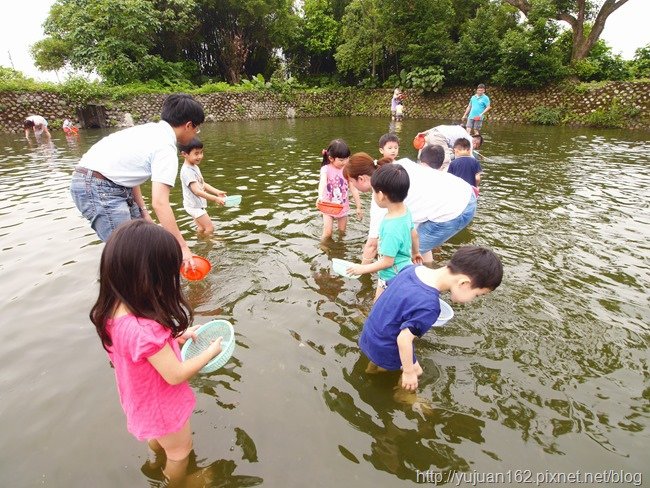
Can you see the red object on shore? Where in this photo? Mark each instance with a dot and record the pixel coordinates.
(418, 141)
(329, 208)
(201, 269)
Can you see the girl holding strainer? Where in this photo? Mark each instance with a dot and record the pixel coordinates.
(142, 317)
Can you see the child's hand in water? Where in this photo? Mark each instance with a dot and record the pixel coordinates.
(215, 346)
(409, 381)
(359, 214)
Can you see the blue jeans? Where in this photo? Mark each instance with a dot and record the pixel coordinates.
(105, 204)
(434, 234)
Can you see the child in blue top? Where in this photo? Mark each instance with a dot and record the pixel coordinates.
(410, 306)
(465, 166)
(398, 240)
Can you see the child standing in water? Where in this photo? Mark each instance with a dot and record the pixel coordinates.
(333, 187)
(196, 192)
(410, 306)
(142, 317)
(398, 240)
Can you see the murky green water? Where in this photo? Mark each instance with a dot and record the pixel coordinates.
(548, 374)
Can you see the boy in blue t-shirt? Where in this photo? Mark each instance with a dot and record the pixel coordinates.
(398, 239)
(465, 166)
(410, 306)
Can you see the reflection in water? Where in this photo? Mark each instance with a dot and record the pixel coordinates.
(399, 421)
(549, 371)
(218, 474)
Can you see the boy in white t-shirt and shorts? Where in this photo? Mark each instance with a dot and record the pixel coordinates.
(196, 192)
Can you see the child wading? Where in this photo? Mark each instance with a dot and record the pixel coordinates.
(142, 317)
(410, 306)
(398, 240)
(196, 192)
(333, 187)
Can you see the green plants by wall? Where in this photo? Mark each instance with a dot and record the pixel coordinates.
(543, 115)
(613, 116)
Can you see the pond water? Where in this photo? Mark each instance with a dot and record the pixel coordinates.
(548, 374)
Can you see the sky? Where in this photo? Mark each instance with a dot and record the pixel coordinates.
(21, 26)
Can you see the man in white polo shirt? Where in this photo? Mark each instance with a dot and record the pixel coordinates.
(106, 183)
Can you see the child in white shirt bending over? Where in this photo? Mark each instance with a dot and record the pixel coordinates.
(196, 192)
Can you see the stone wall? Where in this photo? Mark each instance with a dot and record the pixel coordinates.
(509, 106)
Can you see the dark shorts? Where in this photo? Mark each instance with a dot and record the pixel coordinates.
(474, 124)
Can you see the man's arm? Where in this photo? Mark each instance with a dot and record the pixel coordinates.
(160, 204)
(469, 107)
(139, 201)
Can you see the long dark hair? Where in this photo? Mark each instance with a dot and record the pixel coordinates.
(338, 148)
(140, 268)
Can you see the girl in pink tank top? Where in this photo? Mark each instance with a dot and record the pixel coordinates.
(142, 317)
(333, 187)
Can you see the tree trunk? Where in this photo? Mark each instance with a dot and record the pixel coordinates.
(581, 45)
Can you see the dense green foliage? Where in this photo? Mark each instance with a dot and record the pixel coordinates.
(411, 43)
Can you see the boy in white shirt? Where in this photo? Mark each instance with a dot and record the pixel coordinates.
(196, 192)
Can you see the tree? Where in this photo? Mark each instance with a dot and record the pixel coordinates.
(527, 61)
(477, 55)
(363, 35)
(641, 63)
(116, 38)
(578, 14)
(232, 31)
(317, 36)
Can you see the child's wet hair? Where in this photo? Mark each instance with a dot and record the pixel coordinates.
(433, 155)
(193, 144)
(481, 265)
(386, 138)
(139, 268)
(391, 179)
(28, 124)
(338, 148)
(479, 138)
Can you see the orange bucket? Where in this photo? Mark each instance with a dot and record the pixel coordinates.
(201, 269)
(418, 141)
(329, 208)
